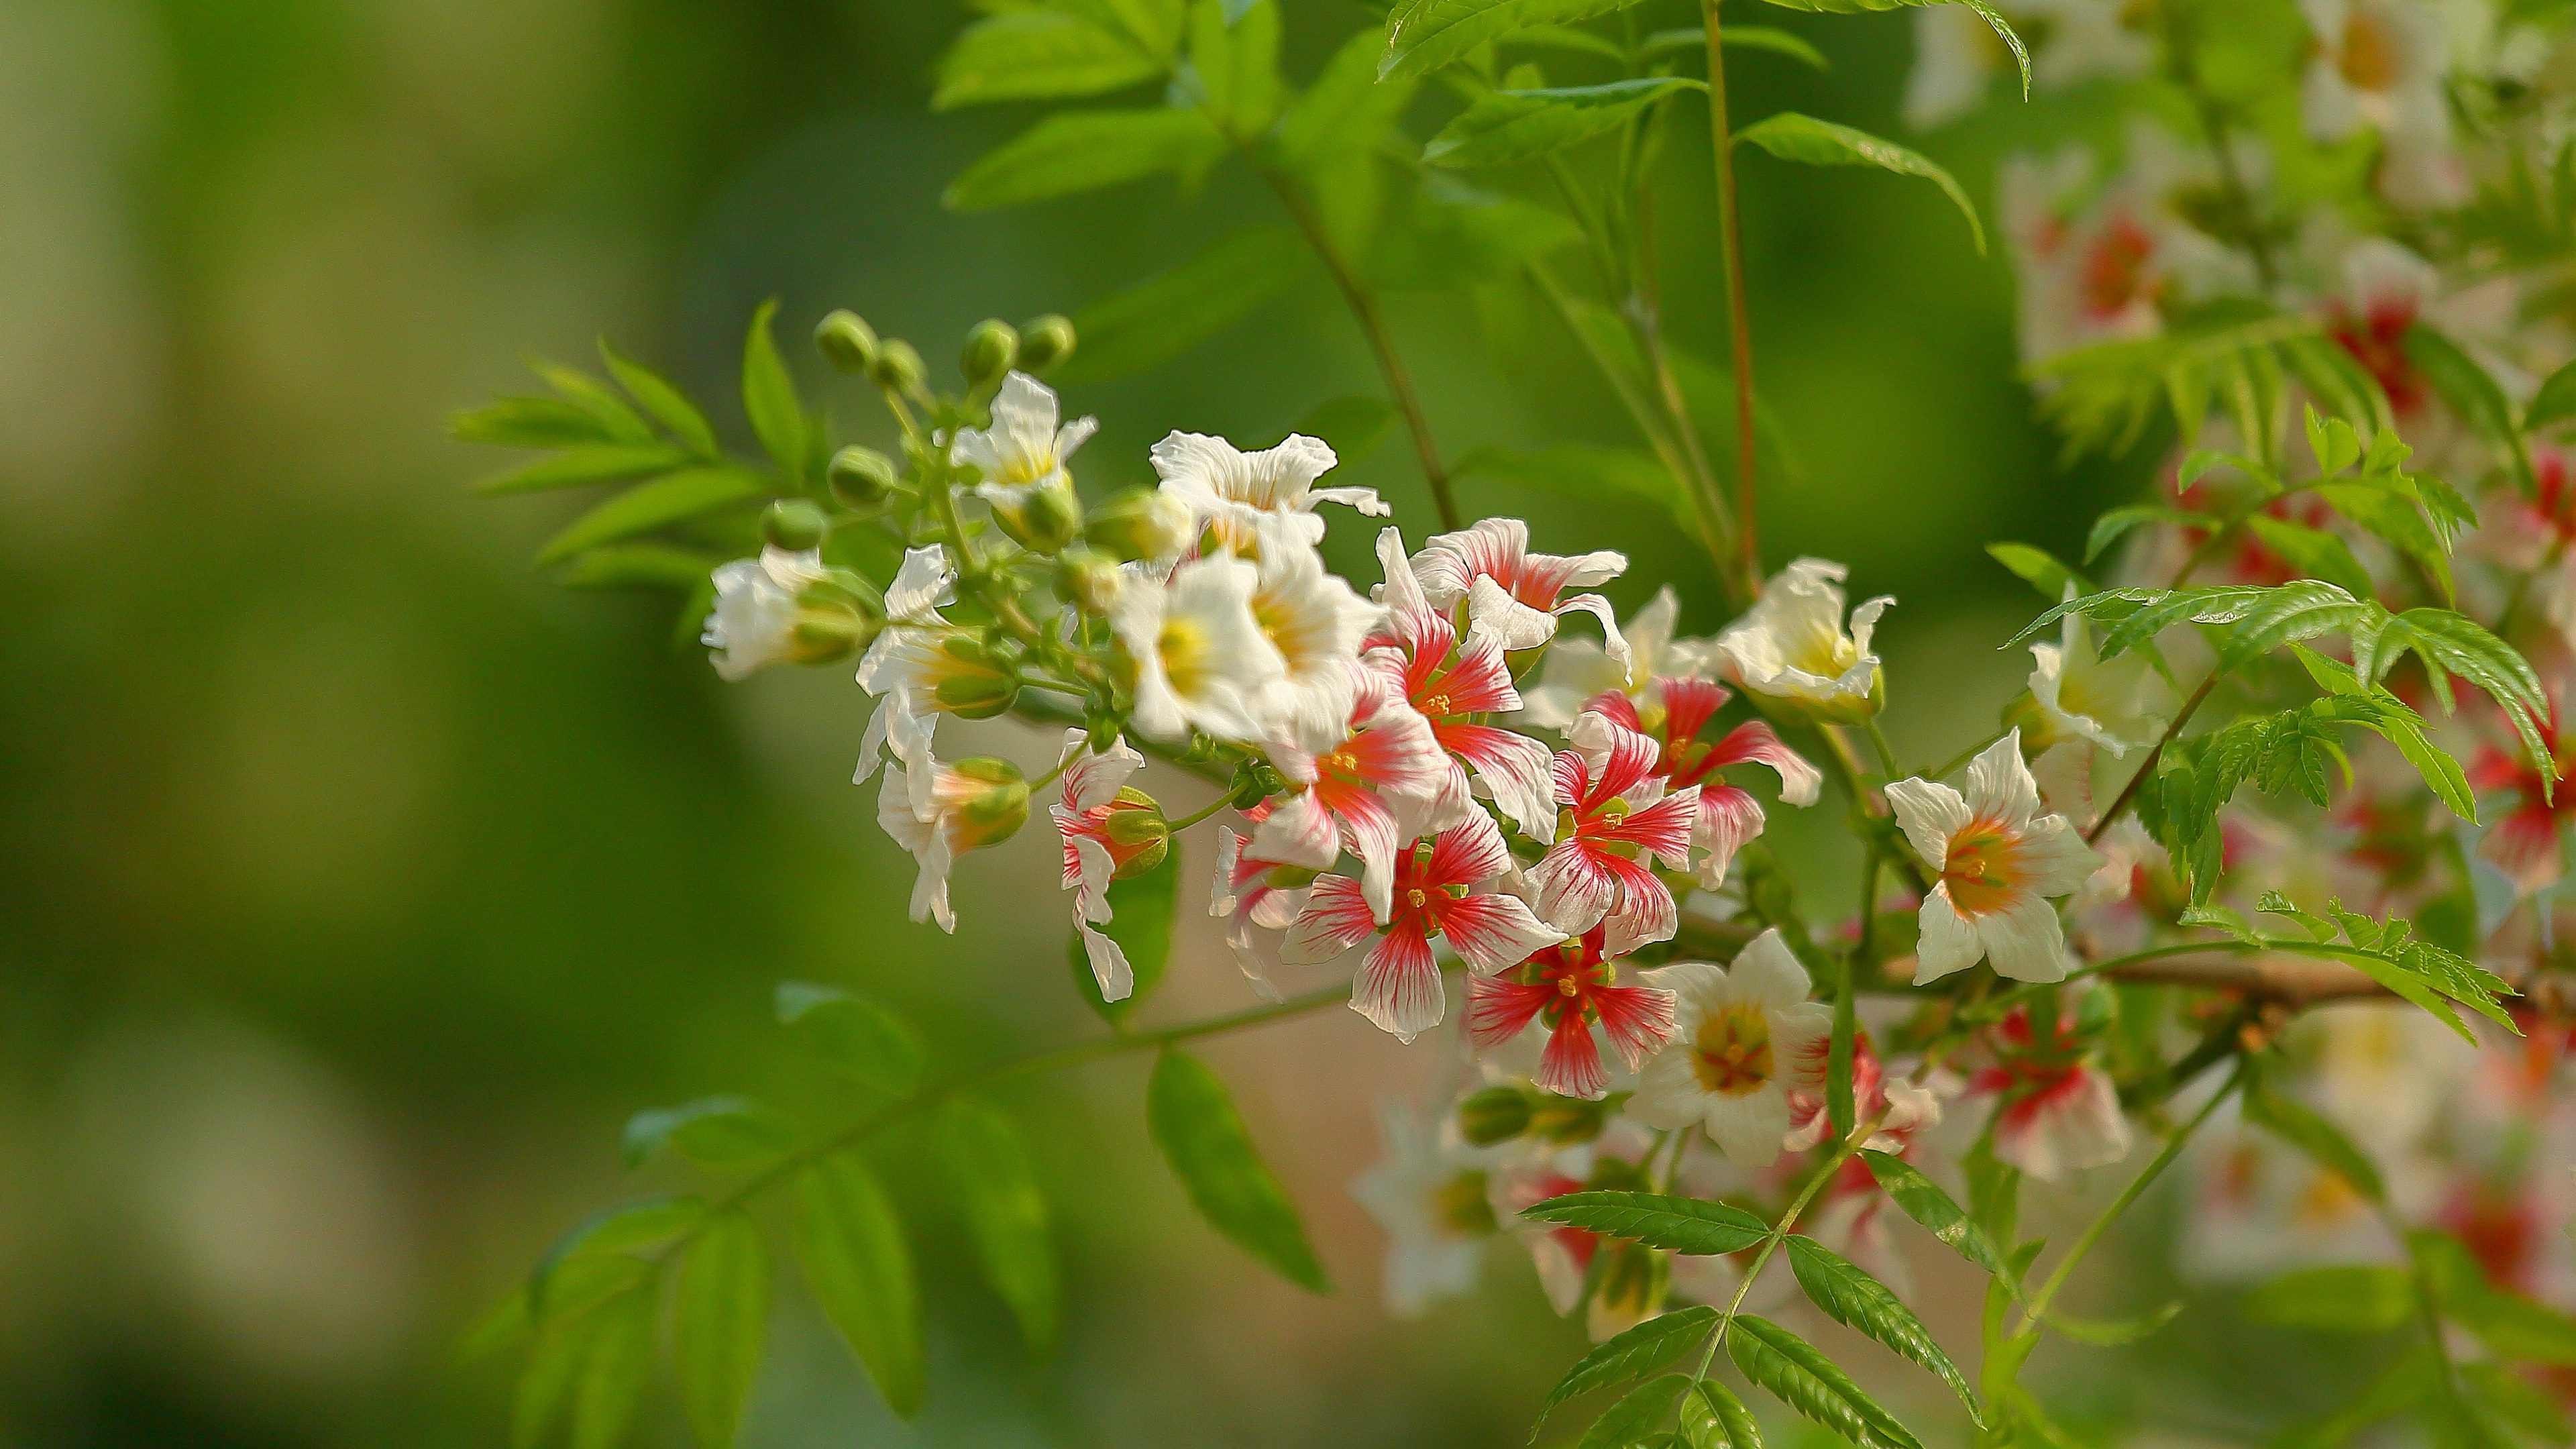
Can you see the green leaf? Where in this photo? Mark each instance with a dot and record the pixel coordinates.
(1424, 35)
(2114, 1333)
(1022, 55)
(1681, 1224)
(669, 406)
(1804, 139)
(1077, 151)
(557, 1372)
(2313, 552)
(2461, 381)
(851, 1245)
(529, 422)
(1714, 1418)
(609, 1382)
(1750, 37)
(2004, 32)
(852, 1035)
(715, 1130)
(2517, 1328)
(719, 1323)
(2352, 1298)
(2325, 1143)
(1564, 37)
(1636, 1414)
(1194, 1121)
(1235, 60)
(2555, 402)
(1460, 235)
(1345, 112)
(1807, 1381)
(1007, 1214)
(630, 1227)
(2447, 641)
(1588, 475)
(2390, 513)
(1856, 1300)
(2039, 569)
(1166, 315)
(639, 566)
(2517, 1402)
(1144, 907)
(769, 397)
(1353, 426)
(672, 498)
(1630, 1353)
(2108, 528)
(1521, 125)
(586, 463)
(1927, 1203)
(2402, 1385)
(618, 422)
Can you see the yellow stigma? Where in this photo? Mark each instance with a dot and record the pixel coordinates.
(1982, 869)
(1183, 644)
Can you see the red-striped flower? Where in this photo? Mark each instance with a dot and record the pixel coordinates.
(1728, 814)
(1619, 819)
(1569, 986)
(1447, 681)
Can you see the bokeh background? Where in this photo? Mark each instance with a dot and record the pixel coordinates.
(359, 882)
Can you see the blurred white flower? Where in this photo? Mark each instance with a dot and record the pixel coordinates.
(1246, 495)
(2382, 64)
(753, 624)
(1430, 1196)
(1201, 659)
(1315, 621)
(2119, 705)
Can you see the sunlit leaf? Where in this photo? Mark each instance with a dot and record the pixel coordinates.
(1714, 1418)
(1037, 54)
(1854, 1299)
(1636, 1414)
(1630, 1353)
(719, 1324)
(1928, 1203)
(715, 1130)
(1807, 1381)
(1077, 151)
(2353, 1298)
(1521, 125)
(669, 406)
(1682, 1224)
(666, 500)
(1423, 35)
(769, 397)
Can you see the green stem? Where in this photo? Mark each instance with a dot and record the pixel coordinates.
(1886, 756)
(1956, 762)
(1739, 327)
(2128, 1195)
(1838, 1059)
(1195, 816)
(2129, 791)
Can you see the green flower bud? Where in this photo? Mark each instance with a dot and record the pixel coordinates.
(795, 525)
(862, 477)
(1566, 1119)
(846, 588)
(977, 696)
(1088, 578)
(828, 632)
(1633, 1282)
(997, 813)
(1464, 1206)
(990, 350)
(896, 367)
(1139, 523)
(1496, 1114)
(1044, 342)
(1138, 835)
(1040, 519)
(846, 342)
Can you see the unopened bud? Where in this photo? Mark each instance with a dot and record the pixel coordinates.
(1139, 523)
(795, 525)
(827, 633)
(989, 352)
(846, 342)
(1494, 1115)
(1044, 342)
(977, 696)
(1088, 578)
(896, 367)
(1041, 518)
(996, 813)
(1566, 1119)
(862, 477)
(1138, 835)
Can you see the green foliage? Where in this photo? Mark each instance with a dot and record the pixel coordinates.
(1680, 1224)
(2104, 397)
(1856, 1300)
(1714, 1418)
(2555, 403)
(1522, 125)
(1635, 1415)
(852, 1248)
(852, 1036)
(1424, 35)
(716, 1131)
(1627, 1354)
(1039, 54)
(1808, 141)
(1165, 315)
(2428, 975)
(2039, 569)
(719, 1324)
(769, 400)
(1194, 1122)
(997, 1186)
(1077, 151)
(668, 405)
(1807, 1381)
(1586, 474)
(2115, 1332)
(2349, 1299)
(1144, 906)
(1928, 1203)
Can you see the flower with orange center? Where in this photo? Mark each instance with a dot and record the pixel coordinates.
(1999, 861)
(1744, 1039)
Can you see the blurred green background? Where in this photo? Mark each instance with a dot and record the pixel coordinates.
(361, 882)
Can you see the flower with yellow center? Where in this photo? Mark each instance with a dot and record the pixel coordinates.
(1200, 657)
(1999, 861)
(1792, 646)
(1748, 1036)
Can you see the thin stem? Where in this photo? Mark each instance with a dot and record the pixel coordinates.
(1849, 1144)
(2129, 791)
(1886, 756)
(1739, 327)
(1953, 765)
(2128, 1195)
(1195, 816)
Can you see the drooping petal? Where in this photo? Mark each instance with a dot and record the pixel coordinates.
(1754, 742)
(1637, 1019)
(1570, 1066)
(1398, 986)
(1092, 871)
(1091, 779)
(1612, 641)
(1299, 832)
(1335, 919)
(924, 582)
(1517, 771)
(1498, 1011)
(1109, 966)
(1728, 817)
(1492, 610)
(1369, 829)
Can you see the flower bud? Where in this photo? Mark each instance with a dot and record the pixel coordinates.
(1567, 1119)
(977, 696)
(1040, 518)
(846, 342)
(1139, 523)
(997, 813)
(828, 633)
(896, 367)
(990, 350)
(862, 477)
(1137, 834)
(1044, 342)
(795, 525)
(1089, 579)
(1633, 1279)
(1494, 1115)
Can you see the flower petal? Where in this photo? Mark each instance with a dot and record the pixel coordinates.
(1398, 986)
(1493, 932)
(2024, 940)
(1335, 919)
(1931, 813)
(1948, 942)
(2000, 787)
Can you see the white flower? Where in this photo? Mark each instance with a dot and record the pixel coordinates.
(1511, 593)
(1023, 450)
(1246, 495)
(2119, 705)
(2381, 64)
(1243, 896)
(754, 621)
(940, 811)
(1746, 1037)
(910, 660)
(1577, 670)
(1999, 861)
(1092, 783)
(1315, 621)
(1201, 659)
(1430, 1197)
(1791, 644)
(2064, 1121)
(933, 849)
